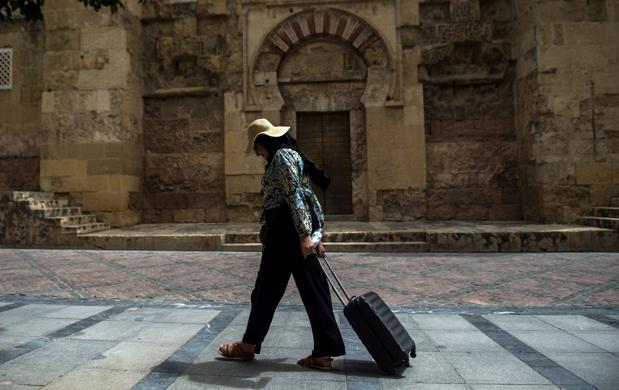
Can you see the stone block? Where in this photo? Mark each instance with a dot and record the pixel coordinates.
(123, 183)
(95, 183)
(103, 37)
(61, 40)
(97, 101)
(63, 167)
(47, 102)
(409, 13)
(108, 166)
(189, 215)
(123, 150)
(240, 184)
(601, 195)
(217, 7)
(240, 163)
(86, 151)
(106, 201)
(113, 75)
(120, 219)
(615, 168)
(52, 184)
(594, 173)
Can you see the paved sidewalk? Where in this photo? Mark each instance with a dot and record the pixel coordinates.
(87, 344)
(518, 280)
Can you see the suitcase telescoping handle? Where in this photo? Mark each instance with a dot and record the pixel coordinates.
(339, 282)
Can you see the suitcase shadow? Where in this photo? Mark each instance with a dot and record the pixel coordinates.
(364, 369)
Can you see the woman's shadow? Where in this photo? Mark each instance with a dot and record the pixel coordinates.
(247, 375)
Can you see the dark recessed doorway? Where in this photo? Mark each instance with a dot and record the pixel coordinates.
(325, 138)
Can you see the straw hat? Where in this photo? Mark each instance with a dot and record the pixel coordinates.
(263, 126)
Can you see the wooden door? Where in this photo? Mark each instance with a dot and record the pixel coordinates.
(325, 138)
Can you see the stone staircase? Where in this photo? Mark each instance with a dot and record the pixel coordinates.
(604, 217)
(31, 218)
(387, 241)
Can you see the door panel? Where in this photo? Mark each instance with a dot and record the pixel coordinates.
(325, 138)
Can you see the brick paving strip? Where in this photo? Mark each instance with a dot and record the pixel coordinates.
(532, 280)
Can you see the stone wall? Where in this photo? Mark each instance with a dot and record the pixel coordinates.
(467, 71)
(91, 109)
(20, 107)
(460, 109)
(567, 104)
(184, 160)
(185, 71)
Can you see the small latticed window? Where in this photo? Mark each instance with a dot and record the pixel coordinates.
(6, 68)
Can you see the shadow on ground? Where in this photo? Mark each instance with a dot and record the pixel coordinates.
(248, 375)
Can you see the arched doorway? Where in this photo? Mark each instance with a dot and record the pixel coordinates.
(319, 71)
(322, 81)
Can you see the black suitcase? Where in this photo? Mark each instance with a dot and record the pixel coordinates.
(378, 328)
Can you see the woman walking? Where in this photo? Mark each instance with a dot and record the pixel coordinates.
(290, 215)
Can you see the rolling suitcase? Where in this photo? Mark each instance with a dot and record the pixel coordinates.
(378, 328)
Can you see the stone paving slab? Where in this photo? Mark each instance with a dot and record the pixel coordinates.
(551, 342)
(607, 340)
(599, 369)
(574, 323)
(95, 379)
(455, 357)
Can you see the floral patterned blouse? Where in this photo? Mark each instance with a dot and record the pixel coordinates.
(285, 181)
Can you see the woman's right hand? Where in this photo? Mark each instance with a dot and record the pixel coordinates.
(320, 250)
(307, 246)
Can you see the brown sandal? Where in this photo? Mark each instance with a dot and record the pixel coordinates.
(323, 363)
(235, 351)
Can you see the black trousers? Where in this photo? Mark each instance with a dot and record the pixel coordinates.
(281, 258)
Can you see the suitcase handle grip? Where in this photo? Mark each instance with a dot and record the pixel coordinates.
(339, 282)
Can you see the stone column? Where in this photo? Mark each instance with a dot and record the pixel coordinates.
(396, 136)
(567, 106)
(92, 108)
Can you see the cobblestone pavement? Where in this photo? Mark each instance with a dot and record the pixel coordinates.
(71, 344)
(486, 280)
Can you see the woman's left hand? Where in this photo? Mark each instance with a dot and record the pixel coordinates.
(307, 246)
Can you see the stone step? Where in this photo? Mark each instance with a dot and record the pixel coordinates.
(406, 246)
(614, 202)
(77, 219)
(47, 204)
(242, 238)
(606, 212)
(601, 222)
(19, 196)
(371, 237)
(242, 247)
(59, 212)
(390, 247)
(368, 237)
(85, 228)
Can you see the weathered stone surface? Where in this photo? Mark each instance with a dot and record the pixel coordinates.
(459, 109)
(402, 205)
(19, 174)
(472, 153)
(567, 145)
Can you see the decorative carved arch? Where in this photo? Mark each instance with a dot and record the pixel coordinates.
(320, 23)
